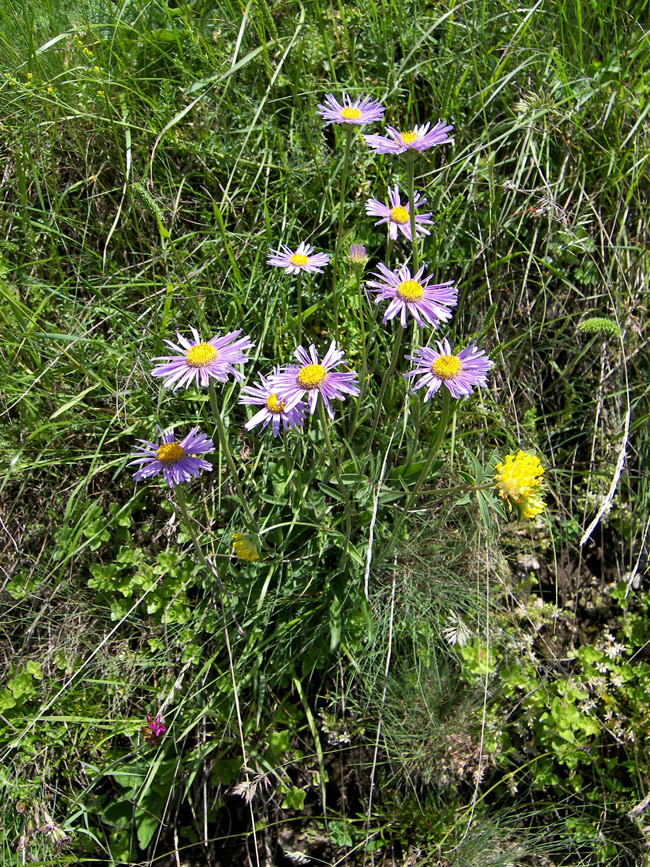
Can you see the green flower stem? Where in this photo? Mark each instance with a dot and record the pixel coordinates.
(364, 349)
(416, 432)
(415, 409)
(180, 497)
(437, 442)
(337, 471)
(349, 131)
(223, 439)
(410, 170)
(288, 462)
(382, 390)
(291, 474)
(299, 293)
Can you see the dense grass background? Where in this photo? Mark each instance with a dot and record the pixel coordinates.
(151, 155)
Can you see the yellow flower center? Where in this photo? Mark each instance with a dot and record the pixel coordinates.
(170, 453)
(409, 137)
(518, 477)
(351, 114)
(273, 404)
(200, 355)
(299, 260)
(399, 215)
(446, 367)
(410, 290)
(311, 375)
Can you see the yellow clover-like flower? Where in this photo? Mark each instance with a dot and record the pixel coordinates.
(244, 548)
(518, 479)
(531, 506)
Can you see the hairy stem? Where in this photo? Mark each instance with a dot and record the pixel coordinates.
(299, 294)
(337, 471)
(339, 234)
(180, 497)
(223, 439)
(382, 390)
(410, 168)
(435, 445)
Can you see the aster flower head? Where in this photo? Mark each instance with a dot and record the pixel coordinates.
(303, 259)
(273, 410)
(398, 216)
(420, 138)
(196, 362)
(428, 303)
(460, 373)
(518, 480)
(153, 729)
(312, 377)
(177, 461)
(358, 254)
(361, 111)
(245, 548)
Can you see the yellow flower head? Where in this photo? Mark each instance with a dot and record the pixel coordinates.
(531, 506)
(517, 480)
(244, 547)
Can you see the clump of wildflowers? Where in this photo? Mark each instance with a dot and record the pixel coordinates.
(177, 461)
(312, 378)
(398, 216)
(518, 480)
(303, 259)
(361, 111)
(420, 138)
(197, 361)
(245, 548)
(428, 303)
(460, 373)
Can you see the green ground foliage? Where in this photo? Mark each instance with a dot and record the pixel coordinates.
(487, 702)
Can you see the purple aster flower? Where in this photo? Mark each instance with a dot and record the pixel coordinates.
(273, 410)
(197, 361)
(358, 112)
(178, 461)
(398, 216)
(420, 138)
(427, 303)
(460, 373)
(301, 260)
(313, 377)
